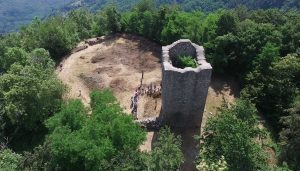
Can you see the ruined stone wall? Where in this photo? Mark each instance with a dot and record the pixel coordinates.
(184, 91)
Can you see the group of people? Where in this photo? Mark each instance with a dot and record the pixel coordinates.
(134, 102)
(149, 90)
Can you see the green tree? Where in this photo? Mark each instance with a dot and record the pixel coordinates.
(251, 37)
(220, 165)
(7, 41)
(231, 134)
(174, 28)
(38, 159)
(273, 90)
(113, 19)
(130, 22)
(30, 93)
(226, 24)
(13, 55)
(181, 25)
(290, 135)
(133, 160)
(256, 80)
(79, 142)
(58, 35)
(144, 5)
(9, 161)
(30, 35)
(99, 26)
(220, 53)
(166, 154)
(84, 21)
(291, 33)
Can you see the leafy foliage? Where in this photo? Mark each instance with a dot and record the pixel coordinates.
(113, 19)
(9, 161)
(57, 35)
(259, 47)
(290, 135)
(20, 13)
(273, 88)
(166, 154)
(220, 165)
(186, 61)
(38, 159)
(78, 142)
(30, 93)
(231, 135)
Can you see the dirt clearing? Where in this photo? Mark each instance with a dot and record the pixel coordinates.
(117, 63)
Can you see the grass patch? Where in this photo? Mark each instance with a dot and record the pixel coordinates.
(186, 61)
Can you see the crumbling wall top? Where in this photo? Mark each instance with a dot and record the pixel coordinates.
(184, 47)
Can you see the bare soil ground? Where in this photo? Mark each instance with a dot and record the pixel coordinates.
(117, 63)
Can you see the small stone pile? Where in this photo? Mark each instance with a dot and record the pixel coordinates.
(150, 123)
(94, 41)
(80, 48)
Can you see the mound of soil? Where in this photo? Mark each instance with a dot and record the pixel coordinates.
(118, 84)
(92, 81)
(110, 70)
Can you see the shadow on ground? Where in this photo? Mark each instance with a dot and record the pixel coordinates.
(221, 83)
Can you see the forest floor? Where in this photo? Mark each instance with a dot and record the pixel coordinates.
(117, 63)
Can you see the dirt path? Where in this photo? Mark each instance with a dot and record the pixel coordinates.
(72, 67)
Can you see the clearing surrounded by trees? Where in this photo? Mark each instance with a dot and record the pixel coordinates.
(117, 63)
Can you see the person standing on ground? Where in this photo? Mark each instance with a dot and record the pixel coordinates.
(79, 93)
(142, 78)
(60, 67)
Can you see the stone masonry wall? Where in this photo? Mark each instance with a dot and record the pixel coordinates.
(184, 91)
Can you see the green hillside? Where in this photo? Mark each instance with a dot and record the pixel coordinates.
(189, 5)
(14, 13)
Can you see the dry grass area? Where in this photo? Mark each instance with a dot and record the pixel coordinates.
(117, 63)
(222, 89)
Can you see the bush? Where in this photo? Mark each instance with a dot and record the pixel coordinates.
(231, 136)
(186, 61)
(82, 142)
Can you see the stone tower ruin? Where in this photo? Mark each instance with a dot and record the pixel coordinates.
(184, 91)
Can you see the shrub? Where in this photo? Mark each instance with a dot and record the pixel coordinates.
(186, 61)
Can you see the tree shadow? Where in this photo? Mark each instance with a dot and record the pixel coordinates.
(149, 46)
(220, 83)
(28, 140)
(110, 39)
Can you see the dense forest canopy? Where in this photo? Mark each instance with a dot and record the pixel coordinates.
(15, 13)
(260, 48)
(190, 5)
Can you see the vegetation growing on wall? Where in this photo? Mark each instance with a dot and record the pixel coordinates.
(186, 61)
